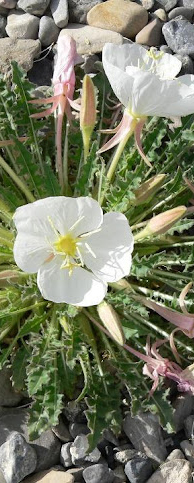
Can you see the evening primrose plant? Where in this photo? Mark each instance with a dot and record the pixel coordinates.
(97, 253)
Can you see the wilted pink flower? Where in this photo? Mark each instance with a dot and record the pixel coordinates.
(64, 85)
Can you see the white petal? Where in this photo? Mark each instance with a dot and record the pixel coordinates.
(153, 96)
(167, 66)
(30, 252)
(115, 60)
(112, 247)
(81, 288)
(63, 212)
(184, 104)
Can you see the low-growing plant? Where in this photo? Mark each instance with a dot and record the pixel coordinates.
(105, 355)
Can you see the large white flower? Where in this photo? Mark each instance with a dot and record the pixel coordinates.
(74, 248)
(144, 82)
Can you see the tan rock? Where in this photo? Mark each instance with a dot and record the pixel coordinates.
(176, 471)
(161, 14)
(50, 476)
(123, 16)
(22, 51)
(8, 3)
(90, 40)
(150, 34)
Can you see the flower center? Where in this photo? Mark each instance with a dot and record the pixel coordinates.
(154, 54)
(66, 244)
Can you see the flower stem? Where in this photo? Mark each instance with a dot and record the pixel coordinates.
(117, 155)
(65, 160)
(21, 185)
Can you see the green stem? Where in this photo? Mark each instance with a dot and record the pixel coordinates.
(160, 331)
(65, 161)
(117, 155)
(21, 185)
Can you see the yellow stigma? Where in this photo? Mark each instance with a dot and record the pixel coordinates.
(152, 54)
(66, 244)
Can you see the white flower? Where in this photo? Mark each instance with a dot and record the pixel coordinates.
(144, 82)
(74, 248)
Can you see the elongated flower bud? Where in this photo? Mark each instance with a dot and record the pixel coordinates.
(160, 224)
(111, 321)
(148, 189)
(87, 112)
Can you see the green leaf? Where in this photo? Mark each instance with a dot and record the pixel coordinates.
(19, 363)
(103, 408)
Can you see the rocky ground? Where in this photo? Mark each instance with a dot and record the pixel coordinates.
(143, 452)
(27, 27)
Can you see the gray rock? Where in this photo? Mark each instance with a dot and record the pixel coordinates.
(65, 456)
(183, 406)
(62, 432)
(119, 475)
(88, 65)
(138, 469)
(76, 473)
(8, 396)
(4, 11)
(78, 10)
(22, 51)
(125, 455)
(41, 73)
(79, 451)
(188, 450)
(90, 40)
(165, 49)
(22, 25)
(48, 31)
(186, 3)
(147, 4)
(48, 449)
(3, 23)
(176, 471)
(110, 436)
(74, 411)
(47, 446)
(76, 429)
(99, 473)
(184, 11)
(187, 64)
(189, 427)
(179, 35)
(167, 4)
(17, 458)
(2, 479)
(8, 3)
(144, 432)
(35, 7)
(59, 9)
(176, 454)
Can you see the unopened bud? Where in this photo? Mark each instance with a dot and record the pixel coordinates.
(87, 112)
(111, 321)
(148, 189)
(160, 224)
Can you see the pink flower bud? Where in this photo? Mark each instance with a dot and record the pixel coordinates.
(87, 112)
(148, 188)
(160, 224)
(111, 321)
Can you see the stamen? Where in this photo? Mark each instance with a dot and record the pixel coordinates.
(90, 233)
(80, 256)
(76, 223)
(53, 226)
(90, 250)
